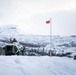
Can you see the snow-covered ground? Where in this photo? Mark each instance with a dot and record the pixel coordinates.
(44, 65)
(38, 65)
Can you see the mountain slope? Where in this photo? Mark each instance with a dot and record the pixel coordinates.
(9, 30)
(58, 43)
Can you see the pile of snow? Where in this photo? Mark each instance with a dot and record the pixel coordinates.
(24, 65)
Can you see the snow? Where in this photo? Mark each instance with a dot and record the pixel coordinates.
(58, 43)
(44, 65)
(9, 30)
(37, 65)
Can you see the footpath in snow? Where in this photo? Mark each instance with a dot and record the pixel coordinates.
(34, 65)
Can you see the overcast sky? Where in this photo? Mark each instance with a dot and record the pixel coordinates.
(31, 16)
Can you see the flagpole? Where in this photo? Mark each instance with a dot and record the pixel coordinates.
(50, 34)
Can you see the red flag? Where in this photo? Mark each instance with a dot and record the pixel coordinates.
(47, 22)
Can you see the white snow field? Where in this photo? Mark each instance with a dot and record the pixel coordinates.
(37, 65)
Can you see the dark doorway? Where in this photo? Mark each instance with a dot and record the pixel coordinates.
(10, 50)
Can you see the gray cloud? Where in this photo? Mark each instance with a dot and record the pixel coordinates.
(30, 15)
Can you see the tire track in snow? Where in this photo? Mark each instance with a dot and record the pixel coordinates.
(18, 61)
(22, 71)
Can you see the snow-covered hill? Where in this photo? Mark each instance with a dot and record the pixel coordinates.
(9, 30)
(58, 43)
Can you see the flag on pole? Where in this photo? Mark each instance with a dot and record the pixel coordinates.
(47, 22)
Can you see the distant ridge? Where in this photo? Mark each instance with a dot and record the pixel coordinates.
(10, 30)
